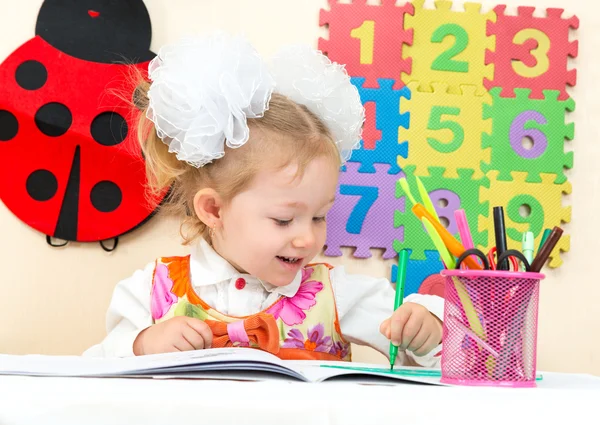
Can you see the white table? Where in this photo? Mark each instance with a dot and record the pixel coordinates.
(78, 401)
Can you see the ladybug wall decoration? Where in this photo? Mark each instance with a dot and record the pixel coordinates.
(71, 166)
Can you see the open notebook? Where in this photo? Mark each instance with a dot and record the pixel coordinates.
(223, 363)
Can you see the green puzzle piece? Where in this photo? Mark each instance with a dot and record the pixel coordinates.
(540, 120)
(462, 192)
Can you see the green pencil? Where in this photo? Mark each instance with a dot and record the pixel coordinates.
(544, 237)
(401, 279)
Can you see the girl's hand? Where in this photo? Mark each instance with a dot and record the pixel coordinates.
(412, 327)
(179, 333)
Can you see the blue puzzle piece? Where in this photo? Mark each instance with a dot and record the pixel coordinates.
(418, 270)
(388, 121)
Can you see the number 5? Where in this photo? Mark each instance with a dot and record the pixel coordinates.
(368, 196)
(436, 123)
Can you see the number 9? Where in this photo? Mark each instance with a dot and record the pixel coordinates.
(535, 217)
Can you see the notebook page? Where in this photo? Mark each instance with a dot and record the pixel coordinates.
(41, 365)
(327, 371)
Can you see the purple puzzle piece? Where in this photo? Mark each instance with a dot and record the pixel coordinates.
(363, 213)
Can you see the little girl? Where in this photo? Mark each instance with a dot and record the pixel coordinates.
(251, 151)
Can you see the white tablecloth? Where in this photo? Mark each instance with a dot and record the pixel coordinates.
(90, 401)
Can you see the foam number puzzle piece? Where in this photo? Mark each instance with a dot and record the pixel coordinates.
(388, 121)
(445, 129)
(368, 39)
(528, 206)
(449, 46)
(447, 195)
(542, 122)
(532, 52)
(363, 212)
(417, 272)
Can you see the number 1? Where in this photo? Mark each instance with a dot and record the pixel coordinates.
(366, 34)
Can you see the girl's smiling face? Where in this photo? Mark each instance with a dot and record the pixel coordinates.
(277, 226)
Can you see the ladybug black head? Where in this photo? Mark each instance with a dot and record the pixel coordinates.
(104, 31)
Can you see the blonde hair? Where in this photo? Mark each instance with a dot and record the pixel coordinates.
(288, 133)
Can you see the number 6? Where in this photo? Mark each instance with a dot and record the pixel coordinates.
(518, 132)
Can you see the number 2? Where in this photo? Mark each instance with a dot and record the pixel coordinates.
(368, 196)
(446, 61)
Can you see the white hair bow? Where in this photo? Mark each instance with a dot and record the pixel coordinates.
(203, 90)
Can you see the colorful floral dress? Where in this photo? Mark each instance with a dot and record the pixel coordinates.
(302, 327)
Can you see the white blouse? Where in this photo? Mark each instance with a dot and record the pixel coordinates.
(363, 303)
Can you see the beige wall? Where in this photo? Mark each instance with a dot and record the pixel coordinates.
(56, 304)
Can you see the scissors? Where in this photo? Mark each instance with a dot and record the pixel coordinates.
(490, 261)
(494, 264)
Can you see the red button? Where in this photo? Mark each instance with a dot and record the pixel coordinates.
(240, 283)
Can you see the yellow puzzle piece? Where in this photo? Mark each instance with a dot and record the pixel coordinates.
(527, 206)
(445, 129)
(449, 46)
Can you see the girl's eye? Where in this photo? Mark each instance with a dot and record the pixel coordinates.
(319, 219)
(282, 223)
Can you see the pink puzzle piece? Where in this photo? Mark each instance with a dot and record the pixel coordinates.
(542, 47)
(376, 29)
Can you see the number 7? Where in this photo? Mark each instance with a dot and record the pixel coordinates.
(368, 195)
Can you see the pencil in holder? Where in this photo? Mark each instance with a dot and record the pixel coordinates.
(490, 327)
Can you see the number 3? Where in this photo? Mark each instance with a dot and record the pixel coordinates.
(540, 53)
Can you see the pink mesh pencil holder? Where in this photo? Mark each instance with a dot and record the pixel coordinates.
(490, 327)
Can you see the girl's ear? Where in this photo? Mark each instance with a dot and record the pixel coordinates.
(207, 206)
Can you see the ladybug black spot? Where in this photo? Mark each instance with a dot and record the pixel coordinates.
(53, 119)
(31, 75)
(109, 129)
(106, 196)
(9, 126)
(42, 185)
